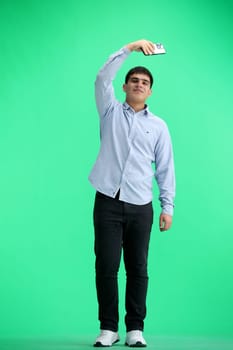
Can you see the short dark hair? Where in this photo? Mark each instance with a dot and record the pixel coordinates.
(139, 70)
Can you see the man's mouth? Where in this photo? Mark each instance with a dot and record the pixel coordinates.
(138, 90)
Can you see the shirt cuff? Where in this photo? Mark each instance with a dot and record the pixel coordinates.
(169, 210)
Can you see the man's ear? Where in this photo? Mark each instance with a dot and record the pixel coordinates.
(124, 87)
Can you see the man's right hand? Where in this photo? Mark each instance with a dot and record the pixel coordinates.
(142, 45)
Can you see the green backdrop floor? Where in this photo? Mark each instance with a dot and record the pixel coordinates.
(85, 342)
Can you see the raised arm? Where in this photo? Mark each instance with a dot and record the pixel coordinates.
(104, 91)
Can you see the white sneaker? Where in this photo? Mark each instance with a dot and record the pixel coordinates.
(106, 338)
(134, 339)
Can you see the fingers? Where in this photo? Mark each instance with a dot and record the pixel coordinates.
(142, 45)
(147, 47)
(165, 222)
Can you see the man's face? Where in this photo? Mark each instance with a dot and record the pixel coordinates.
(137, 88)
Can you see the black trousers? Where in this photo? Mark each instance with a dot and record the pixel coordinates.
(121, 226)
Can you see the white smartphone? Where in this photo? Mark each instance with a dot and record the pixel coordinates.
(158, 49)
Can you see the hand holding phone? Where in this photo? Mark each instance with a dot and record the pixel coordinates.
(158, 50)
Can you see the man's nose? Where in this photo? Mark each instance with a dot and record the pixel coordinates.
(139, 82)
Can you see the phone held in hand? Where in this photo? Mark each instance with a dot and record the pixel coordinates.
(158, 50)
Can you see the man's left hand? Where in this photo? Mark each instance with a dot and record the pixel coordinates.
(165, 222)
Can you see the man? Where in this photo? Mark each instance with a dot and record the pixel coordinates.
(132, 140)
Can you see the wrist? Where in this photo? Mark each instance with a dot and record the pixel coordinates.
(130, 46)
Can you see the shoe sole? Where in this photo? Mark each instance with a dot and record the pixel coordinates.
(138, 344)
(100, 345)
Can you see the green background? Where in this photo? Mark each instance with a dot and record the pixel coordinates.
(50, 52)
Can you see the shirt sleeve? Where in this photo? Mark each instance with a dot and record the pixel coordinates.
(165, 173)
(104, 92)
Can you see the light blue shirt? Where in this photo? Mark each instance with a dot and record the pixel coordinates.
(135, 146)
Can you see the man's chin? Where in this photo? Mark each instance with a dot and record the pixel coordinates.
(138, 99)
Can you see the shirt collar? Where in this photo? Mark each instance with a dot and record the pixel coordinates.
(144, 111)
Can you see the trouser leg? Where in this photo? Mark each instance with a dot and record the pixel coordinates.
(138, 223)
(108, 247)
